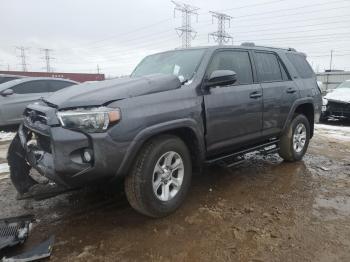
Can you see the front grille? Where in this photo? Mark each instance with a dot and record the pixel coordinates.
(338, 107)
(34, 116)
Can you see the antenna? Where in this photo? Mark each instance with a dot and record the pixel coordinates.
(221, 36)
(186, 32)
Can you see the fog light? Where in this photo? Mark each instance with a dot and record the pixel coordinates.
(87, 156)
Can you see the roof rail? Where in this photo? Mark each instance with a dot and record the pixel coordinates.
(248, 44)
(251, 44)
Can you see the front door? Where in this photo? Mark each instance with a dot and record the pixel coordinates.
(234, 112)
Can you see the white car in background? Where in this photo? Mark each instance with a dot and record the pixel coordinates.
(336, 103)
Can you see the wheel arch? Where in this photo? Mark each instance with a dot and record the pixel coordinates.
(303, 106)
(188, 130)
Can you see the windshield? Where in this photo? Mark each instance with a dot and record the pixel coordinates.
(181, 63)
(344, 85)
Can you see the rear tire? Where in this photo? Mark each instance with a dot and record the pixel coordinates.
(160, 178)
(295, 141)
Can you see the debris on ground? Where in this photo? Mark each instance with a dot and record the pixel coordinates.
(41, 251)
(15, 230)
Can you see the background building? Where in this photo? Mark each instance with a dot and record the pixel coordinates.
(79, 77)
(331, 79)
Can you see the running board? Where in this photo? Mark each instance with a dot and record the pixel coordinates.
(237, 158)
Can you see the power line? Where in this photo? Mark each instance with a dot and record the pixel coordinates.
(186, 32)
(221, 36)
(23, 57)
(47, 59)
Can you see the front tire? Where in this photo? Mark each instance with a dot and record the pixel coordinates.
(160, 178)
(294, 143)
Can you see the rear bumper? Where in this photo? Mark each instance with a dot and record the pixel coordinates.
(57, 153)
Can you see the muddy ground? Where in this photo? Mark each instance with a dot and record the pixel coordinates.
(262, 210)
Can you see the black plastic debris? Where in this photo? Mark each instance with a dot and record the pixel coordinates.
(14, 230)
(41, 251)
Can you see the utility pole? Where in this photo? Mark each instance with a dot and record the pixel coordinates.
(331, 61)
(23, 57)
(221, 36)
(98, 69)
(186, 32)
(47, 59)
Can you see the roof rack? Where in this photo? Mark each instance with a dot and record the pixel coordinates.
(251, 44)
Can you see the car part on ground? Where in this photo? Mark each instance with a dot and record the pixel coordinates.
(38, 252)
(14, 230)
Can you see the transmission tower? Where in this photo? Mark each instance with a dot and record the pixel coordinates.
(47, 59)
(186, 32)
(221, 36)
(23, 57)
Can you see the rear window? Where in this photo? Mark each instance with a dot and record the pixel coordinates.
(301, 65)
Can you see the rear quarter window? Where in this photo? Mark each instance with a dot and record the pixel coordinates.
(301, 65)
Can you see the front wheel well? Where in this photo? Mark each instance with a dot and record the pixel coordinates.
(307, 110)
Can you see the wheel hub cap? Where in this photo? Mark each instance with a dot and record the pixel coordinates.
(168, 176)
(299, 138)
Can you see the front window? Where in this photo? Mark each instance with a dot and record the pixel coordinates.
(181, 63)
(344, 85)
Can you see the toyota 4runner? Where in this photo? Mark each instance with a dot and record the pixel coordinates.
(178, 111)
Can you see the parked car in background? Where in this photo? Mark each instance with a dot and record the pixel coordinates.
(15, 95)
(336, 103)
(5, 78)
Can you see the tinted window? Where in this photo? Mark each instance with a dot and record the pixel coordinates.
(31, 87)
(237, 61)
(301, 65)
(58, 85)
(268, 67)
(6, 79)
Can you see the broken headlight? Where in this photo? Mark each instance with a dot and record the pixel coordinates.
(91, 120)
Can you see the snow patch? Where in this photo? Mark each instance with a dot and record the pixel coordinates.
(6, 136)
(4, 168)
(336, 132)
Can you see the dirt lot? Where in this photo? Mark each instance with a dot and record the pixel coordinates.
(262, 210)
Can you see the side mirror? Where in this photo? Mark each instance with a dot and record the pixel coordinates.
(222, 78)
(7, 92)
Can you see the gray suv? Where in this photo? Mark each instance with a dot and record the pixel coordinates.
(179, 111)
(15, 95)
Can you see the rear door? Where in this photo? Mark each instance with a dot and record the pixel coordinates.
(234, 112)
(279, 91)
(24, 94)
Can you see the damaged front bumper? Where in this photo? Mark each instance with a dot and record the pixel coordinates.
(70, 158)
(336, 109)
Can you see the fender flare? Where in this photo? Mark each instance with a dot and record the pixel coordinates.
(301, 101)
(151, 131)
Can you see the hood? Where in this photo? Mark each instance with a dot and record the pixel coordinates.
(339, 94)
(103, 92)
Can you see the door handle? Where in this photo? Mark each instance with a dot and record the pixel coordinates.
(291, 90)
(255, 94)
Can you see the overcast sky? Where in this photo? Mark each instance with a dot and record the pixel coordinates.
(116, 34)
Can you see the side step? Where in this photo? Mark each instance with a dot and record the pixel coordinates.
(232, 159)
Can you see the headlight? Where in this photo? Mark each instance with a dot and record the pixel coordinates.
(324, 101)
(91, 120)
